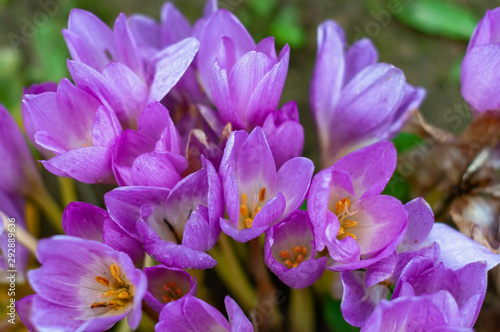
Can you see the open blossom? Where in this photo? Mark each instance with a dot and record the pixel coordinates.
(108, 64)
(175, 226)
(256, 195)
(350, 218)
(432, 258)
(191, 314)
(244, 80)
(355, 100)
(290, 254)
(166, 285)
(83, 285)
(19, 174)
(481, 65)
(431, 312)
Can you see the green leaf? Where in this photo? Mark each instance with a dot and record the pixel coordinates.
(287, 28)
(438, 17)
(398, 187)
(406, 141)
(262, 8)
(304, 205)
(51, 52)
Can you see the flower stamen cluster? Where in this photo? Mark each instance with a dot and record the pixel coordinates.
(119, 290)
(342, 212)
(247, 215)
(172, 292)
(294, 256)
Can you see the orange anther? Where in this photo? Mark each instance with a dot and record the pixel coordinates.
(248, 222)
(284, 254)
(98, 305)
(102, 280)
(262, 194)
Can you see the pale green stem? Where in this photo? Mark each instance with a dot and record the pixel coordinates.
(49, 206)
(68, 192)
(230, 271)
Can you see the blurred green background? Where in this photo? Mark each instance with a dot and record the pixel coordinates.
(427, 39)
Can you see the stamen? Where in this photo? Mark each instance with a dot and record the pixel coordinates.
(118, 289)
(248, 222)
(102, 280)
(173, 292)
(284, 254)
(243, 199)
(244, 210)
(293, 256)
(98, 305)
(262, 194)
(123, 295)
(342, 211)
(115, 272)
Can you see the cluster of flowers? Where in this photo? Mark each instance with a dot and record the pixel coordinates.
(185, 121)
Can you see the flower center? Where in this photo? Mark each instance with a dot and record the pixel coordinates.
(248, 213)
(172, 292)
(293, 257)
(119, 293)
(342, 212)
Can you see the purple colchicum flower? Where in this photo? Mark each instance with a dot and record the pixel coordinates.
(431, 312)
(90, 222)
(481, 65)
(77, 129)
(257, 196)
(108, 65)
(191, 314)
(289, 251)
(349, 216)
(284, 133)
(354, 100)
(421, 266)
(243, 80)
(19, 174)
(83, 285)
(176, 226)
(152, 155)
(167, 284)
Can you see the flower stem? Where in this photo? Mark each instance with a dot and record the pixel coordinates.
(230, 271)
(50, 207)
(268, 313)
(301, 310)
(68, 192)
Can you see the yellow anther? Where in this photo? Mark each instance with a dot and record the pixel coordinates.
(300, 259)
(123, 295)
(102, 281)
(257, 210)
(262, 194)
(248, 222)
(349, 223)
(98, 305)
(119, 290)
(288, 263)
(243, 199)
(244, 210)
